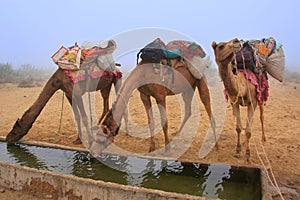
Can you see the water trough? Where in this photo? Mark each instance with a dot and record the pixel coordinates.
(60, 172)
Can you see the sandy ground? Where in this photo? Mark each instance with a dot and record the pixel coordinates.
(282, 127)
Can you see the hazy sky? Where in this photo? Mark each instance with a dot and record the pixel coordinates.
(32, 30)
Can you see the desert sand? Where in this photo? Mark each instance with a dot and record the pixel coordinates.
(282, 128)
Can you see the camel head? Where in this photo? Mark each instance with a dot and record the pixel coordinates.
(16, 133)
(105, 135)
(224, 51)
(109, 126)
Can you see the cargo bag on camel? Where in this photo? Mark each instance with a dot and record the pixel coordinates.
(187, 53)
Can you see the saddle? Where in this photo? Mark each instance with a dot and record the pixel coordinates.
(185, 53)
(152, 52)
(155, 51)
(244, 58)
(265, 55)
(86, 56)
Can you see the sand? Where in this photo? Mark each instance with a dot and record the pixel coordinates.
(282, 128)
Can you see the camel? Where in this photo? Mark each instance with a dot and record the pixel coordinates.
(149, 83)
(240, 91)
(73, 92)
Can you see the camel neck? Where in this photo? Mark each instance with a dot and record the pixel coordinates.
(228, 79)
(127, 88)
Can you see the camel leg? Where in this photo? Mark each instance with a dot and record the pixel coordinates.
(147, 104)
(261, 109)
(251, 109)
(105, 96)
(205, 99)
(117, 81)
(77, 99)
(236, 113)
(23, 125)
(161, 102)
(77, 118)
(187, 98)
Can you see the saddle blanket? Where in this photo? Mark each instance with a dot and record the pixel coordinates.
(93, 72)
(187, 49)
(73, 58)
(263, 86)
(197, 60)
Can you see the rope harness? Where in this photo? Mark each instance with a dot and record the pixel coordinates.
(268, 170)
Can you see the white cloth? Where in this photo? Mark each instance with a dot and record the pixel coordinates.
(101, 43)
(198, 65)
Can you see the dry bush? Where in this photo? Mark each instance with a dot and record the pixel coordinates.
(28, 82)
(24, 76)
(292, 76)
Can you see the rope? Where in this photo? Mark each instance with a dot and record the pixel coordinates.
(238, 93)
(60, 120)
(274, 184)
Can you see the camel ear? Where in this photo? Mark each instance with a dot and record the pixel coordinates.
(214, 45)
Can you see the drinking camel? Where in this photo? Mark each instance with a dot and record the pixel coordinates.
(73, 92)
(149, 83)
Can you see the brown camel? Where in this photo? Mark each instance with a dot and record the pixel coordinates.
(150, 83)
(240, 91)
(73, 92)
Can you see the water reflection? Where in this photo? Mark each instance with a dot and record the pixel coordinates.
(23, 156)
(213, 181)
(215, 176)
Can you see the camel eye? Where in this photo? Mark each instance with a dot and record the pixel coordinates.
(106, 130)
(221, 47)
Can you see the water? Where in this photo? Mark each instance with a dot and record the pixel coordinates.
(208, 180)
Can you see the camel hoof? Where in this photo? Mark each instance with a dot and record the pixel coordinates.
(248, 161)
(77, 141)
(152, 147)
(237, 155)
(238, 149)
(217, 146)
(168, 148)
(247, 155)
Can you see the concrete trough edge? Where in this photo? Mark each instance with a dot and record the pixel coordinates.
(46, 184)
(60, 186)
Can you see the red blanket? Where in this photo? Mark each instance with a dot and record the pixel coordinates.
(253, 78)
(94, 72)
(188, 49)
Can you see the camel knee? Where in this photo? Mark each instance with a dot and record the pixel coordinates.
(238, 130)
(248, 135)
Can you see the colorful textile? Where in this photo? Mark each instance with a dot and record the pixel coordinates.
(262, 49)
(94, 72)
(73, 57)
(67, 58)
(253, 78)
(91, 53)
(188, 49)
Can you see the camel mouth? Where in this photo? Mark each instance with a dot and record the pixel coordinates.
(10, 141)
(225, 56)
(223, 52)
(104, 136)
